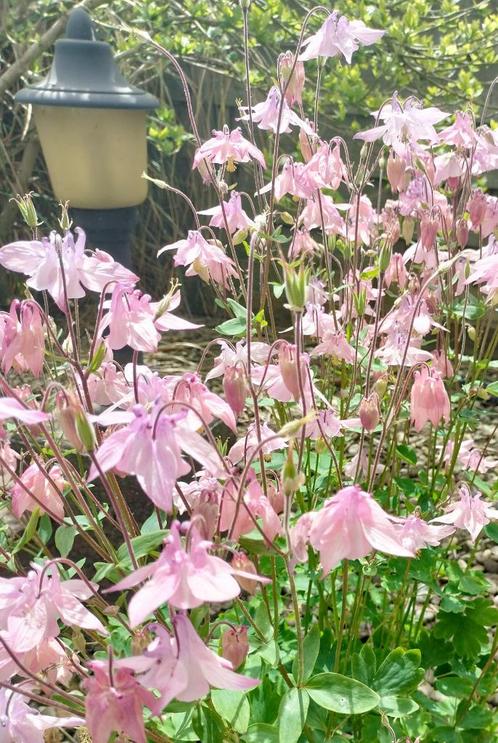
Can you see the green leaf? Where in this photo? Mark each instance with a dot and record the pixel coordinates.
(261, 733)
(341, 694)
(407, 453)
(64, 539)
(311, 648)
(399, 673)
(234, 326)
(364, 665)
(474, 583)
(492, 389)
(29, 531)
(238, 310)
(142, 545)
(232, 706)
(395, 706)
(491, 531)
(292, 715)
(454, 686)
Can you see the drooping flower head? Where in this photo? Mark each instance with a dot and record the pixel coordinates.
(337, 36)
(350, 526)
(183, 577)
(429, 400)
(227, 148)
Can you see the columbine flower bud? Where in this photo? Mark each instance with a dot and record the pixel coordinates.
(476, 206)
(370, 412)
(65, 221)
(235, 645)
(429, 400)
(462, 232)
(292, 479)
(380, 386)
(360, 301)
(428, 231)
(305, 145)
(396, 272)
(296, 287)
(396, 172)
(385, 256)
(407, 229)
(235, 388)
(76, 427)
(27, 208)
(294, 91)
(242, 562)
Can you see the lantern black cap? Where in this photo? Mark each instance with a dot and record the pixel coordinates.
(84, 74)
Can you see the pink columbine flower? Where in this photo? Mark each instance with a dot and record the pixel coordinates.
(149, 446)
(135, 321)
(288, 367)
(266, 115)
(236, 218)
(349, 526)
(12, 408)
(31, 606)
(404, 124)
(396, 272)
(461, 133)
(416, 534)
(485, 271)
(288, 67)
(245, 446)
(235, 645)
(228, 147)
(469, 512)
(41, 261)
(429, 400)
(20, 723)
(183, 577)
(35, 481)
(334, 344)
(339, 36)
(323, 210)
(190, 389)
(182, 667)
(235, 388)
(254, 505)
(114, 702)
(22, 338)
(326, 168)
(203, 258)
(8, 464)
(294, 179)
(237, 355)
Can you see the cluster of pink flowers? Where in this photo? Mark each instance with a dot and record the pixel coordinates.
(369, 359)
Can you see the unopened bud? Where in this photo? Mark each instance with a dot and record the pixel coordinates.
(360, 301)
(77, 429)
(287, 218)
(64, 220)
(407, 229)
(292, 479)
(462, 232)
(235, 388)
(370, 412)
(235, 645)
(27, 208)
(296, 287)
(471, 332)
(97, 359)
(385, 256)
(242, 562)
(380, 386)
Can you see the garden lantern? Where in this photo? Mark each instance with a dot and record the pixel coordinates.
(92, 128)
